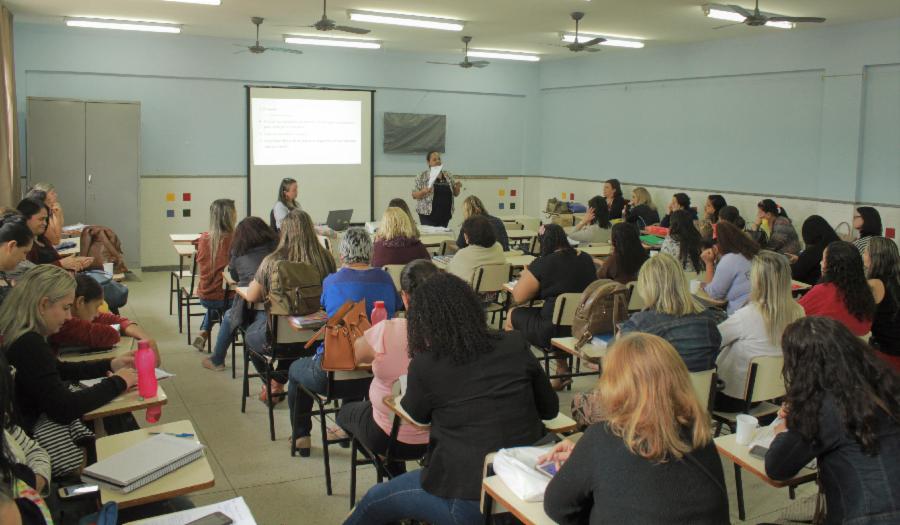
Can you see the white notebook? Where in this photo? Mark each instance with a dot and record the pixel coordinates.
(144, 462)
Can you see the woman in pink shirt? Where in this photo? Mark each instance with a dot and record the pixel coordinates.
(385, 346)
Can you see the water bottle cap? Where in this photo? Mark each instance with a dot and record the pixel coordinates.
(143, 344)
(379, 303)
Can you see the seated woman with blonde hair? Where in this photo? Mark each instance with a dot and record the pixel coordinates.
(649, 433)
(397, 241)
(473, 206)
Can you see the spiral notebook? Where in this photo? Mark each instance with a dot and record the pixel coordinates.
(140, 464)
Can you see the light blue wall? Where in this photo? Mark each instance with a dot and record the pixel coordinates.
(811, 113)
(193, 105)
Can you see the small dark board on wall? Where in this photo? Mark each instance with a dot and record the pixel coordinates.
(414, 132)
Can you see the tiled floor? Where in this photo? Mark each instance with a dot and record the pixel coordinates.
(278, 488)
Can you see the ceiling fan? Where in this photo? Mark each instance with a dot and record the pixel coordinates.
(257, 48)
(756, 18)
(327, 24)
(587, 45)
(466, 63)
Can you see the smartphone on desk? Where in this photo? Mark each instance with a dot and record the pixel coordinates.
(548, 469)
(759, 451)
(216, 518)
(74, 491)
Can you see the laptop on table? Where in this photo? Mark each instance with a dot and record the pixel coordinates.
(339, 220)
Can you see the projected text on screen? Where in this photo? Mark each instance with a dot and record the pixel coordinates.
(299, 131)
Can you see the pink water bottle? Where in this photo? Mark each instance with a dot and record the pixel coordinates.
(145, 364)
(379, 313)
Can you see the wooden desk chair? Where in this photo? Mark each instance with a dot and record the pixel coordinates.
(380, 461)
(286, 344)
(513, 226)
(529, 223)
(175, 278)
(635, 301)
(394, 270)
(488, 280)
(342, 386)
(704, 386)
(535, 246)
(764, 384)
(563, 317)
(447, 248)
(187, 298)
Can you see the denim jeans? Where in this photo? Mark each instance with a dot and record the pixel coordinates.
(404, 498)
(223, 339)
(308, 372)
(219, 305)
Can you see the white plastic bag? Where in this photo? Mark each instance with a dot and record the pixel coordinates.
(515, 466)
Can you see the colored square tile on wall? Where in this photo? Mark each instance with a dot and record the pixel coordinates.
(186, 212)
(562, 196)
(512, 205)
(501, 205)
(186, 197)
(170, 197)
(512, 193)
(571, 196)
(501, 193)
(170, 214)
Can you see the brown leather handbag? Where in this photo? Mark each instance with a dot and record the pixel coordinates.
(104, 246)
(341, 331)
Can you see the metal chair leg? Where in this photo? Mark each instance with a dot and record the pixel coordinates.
(739, 490)
(353, 465)
(325, 457)
(246, 386)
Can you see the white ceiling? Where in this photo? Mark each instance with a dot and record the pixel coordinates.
(521, 25)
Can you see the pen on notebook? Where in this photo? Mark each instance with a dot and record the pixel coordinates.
(179, 435)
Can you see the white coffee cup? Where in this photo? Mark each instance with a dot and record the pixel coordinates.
(109, 268)
(695, 286)
(653, 253)
(746, 428)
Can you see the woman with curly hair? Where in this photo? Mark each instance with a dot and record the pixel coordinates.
(817, 234)
(842, 408)
(843, 293)
(480, 390)
(628, 254)
(882, 262)
(559, 269)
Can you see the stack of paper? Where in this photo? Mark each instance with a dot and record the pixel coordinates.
(236, 509)
(160, 375)
(433, 174)
(143, 463)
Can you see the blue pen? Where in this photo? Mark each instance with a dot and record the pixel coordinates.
(181, 435)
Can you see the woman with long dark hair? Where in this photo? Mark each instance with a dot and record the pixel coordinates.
(842, 408)
(213, 251)
(480, 390)
(866, 221)
(615, 202)
(559, 269)
(594, 226)
(36, 215)
(843, 293)
(817, 234)
(780, 233)
(15, 241)
(706, 225)
(728, 266)
(683, 241)
(882, 263)
(252, 241)
(628, 254)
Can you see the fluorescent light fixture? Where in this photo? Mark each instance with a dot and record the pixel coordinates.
(125, 25)
(425, 22)
(723, 12)
(333, 42)
(781, 25)
(503, 55)
(204, 2)
(615, 42)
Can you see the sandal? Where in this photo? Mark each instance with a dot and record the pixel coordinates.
(277, 388)
(199, 343)
(335, 433)
(303, 445)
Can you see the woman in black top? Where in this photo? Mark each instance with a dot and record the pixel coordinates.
(867, 221)
(817, 234)
(882, 262)
(641, 210)
(842, 408)
(253, 239)
(649, 457)
(473, 206)
(479, 389)
(35, 309)
(680, 201)
(37, 215)
(435, 198)
(612, 192)
(627, 257)
(559, 269)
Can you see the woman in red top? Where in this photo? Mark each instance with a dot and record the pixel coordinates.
(843, 294)
(213, 254)
(88, 327)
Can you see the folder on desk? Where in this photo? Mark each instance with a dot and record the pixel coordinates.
(143, 463)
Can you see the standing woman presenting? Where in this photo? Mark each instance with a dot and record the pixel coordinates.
(287, 201)
(434, 200)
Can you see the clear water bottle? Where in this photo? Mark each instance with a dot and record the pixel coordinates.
(379, 313)
(145, 364)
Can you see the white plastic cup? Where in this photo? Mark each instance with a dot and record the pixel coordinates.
(746, 428)
(695, 286)
(109, 268)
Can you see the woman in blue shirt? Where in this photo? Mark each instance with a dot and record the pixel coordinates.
(727, 263)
